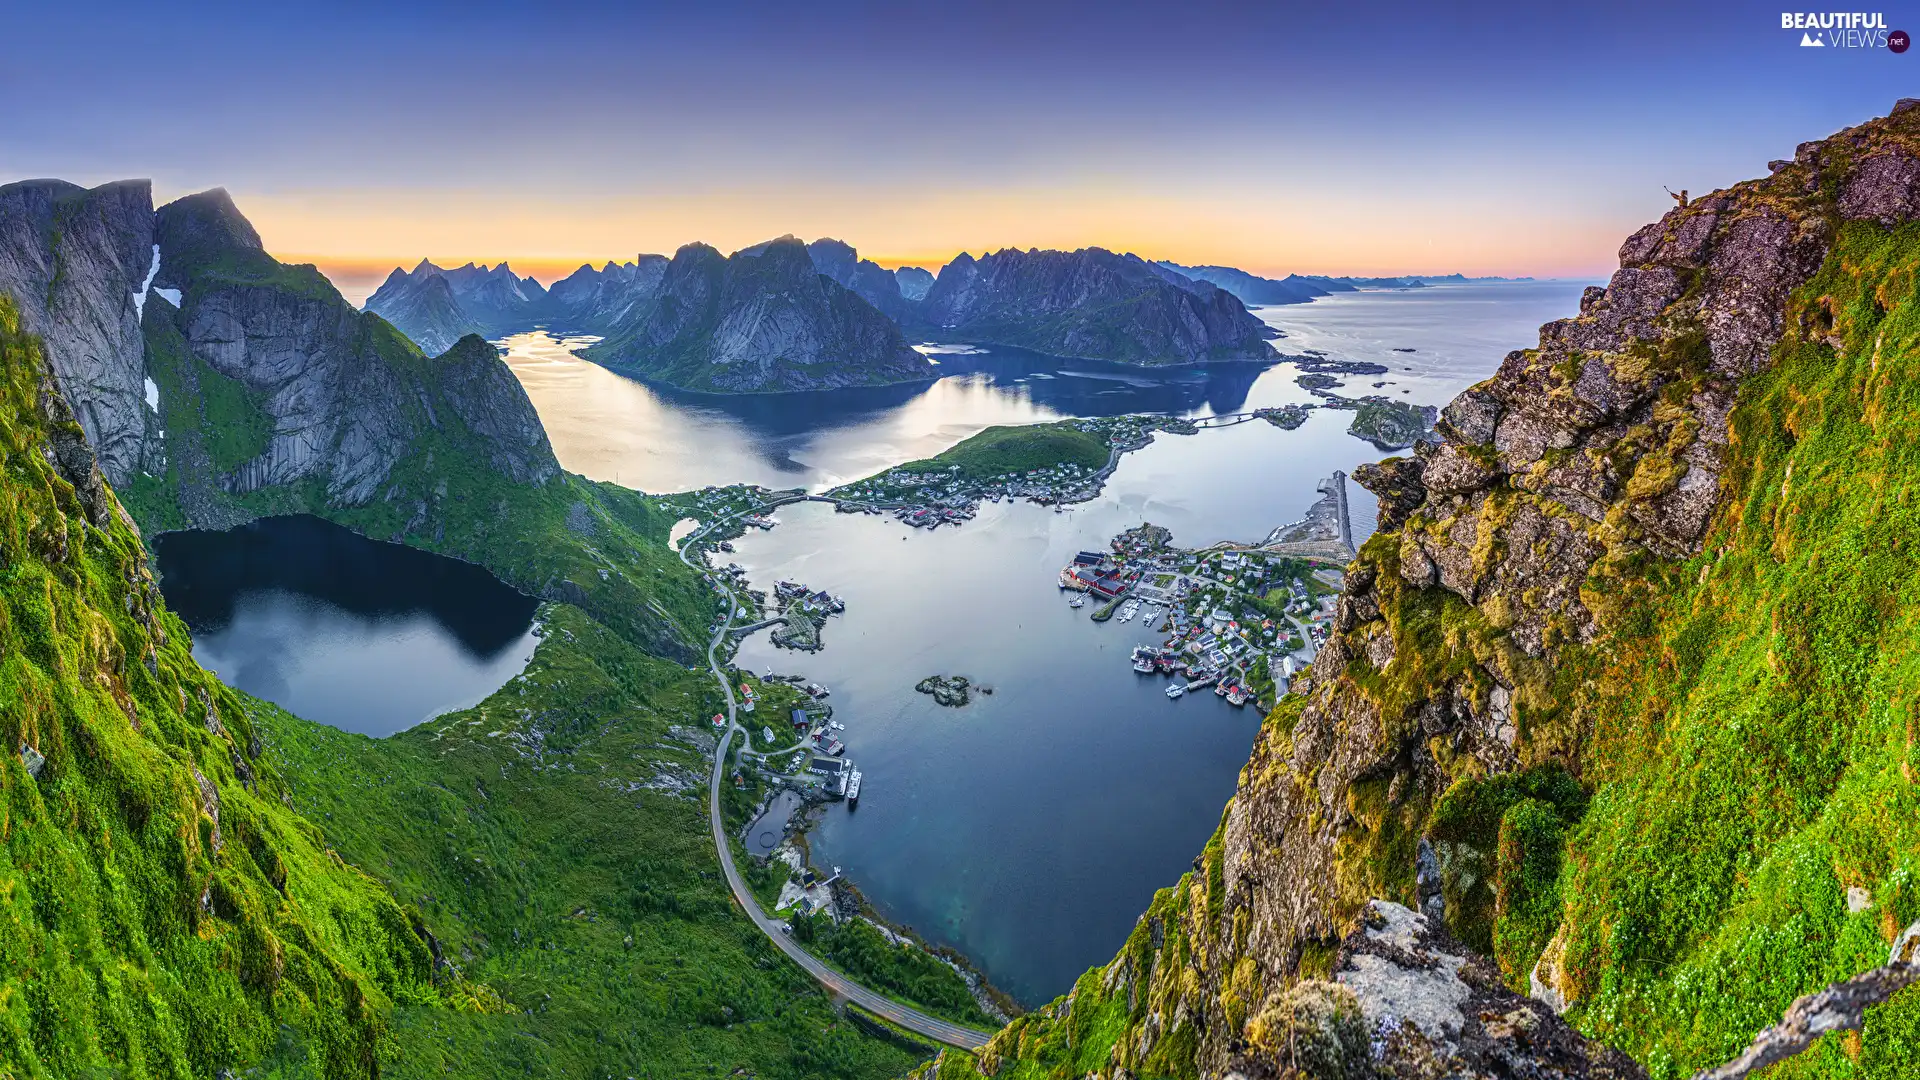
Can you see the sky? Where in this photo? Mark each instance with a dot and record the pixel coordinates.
(1330, 138)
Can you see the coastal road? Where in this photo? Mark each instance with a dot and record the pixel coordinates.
(942, 1031)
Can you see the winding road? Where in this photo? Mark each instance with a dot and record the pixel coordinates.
(837, 984)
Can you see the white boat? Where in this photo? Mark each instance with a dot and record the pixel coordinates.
(1176, 690)
(1079, 600)
(853, 787)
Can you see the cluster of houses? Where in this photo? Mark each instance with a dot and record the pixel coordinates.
(1230, 616)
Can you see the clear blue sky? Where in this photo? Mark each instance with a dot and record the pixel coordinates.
(1331, 137)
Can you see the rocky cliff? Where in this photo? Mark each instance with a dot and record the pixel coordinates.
(1091, 303)
(1619, 692)
(343, 395)
(76, 263)
(764, 319)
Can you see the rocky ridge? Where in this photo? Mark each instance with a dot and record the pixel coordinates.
(345, 397)
(77, 261)
(1092, 303)
(1452, 688)
(764, 319)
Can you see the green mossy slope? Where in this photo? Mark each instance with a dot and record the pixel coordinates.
(162, 912)
(1712, 807)
(555, 839)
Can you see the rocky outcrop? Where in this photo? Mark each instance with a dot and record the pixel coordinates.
(345, 397)
(1441, 725)
(76, 262)
(1092, 303)
(764, 319)
(1407, 1002)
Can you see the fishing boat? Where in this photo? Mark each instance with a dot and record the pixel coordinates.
(1143, 660)
(1079, 600)
(1176, 690)
(853, 787)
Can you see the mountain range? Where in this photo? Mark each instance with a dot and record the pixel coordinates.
(706, 322)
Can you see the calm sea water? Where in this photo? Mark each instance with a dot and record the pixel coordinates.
(1030, 828)
(363, 635)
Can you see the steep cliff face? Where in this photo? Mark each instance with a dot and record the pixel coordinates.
(762, 320)
(1620, 690)
(166, 914)
(75, 262)
(1091, 303)
(345, 395)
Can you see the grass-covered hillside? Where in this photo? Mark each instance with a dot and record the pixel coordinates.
(1015, 450)
(163, 913)
(1638, 670)
(555, 839)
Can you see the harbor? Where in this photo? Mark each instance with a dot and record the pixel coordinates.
(1243, 620)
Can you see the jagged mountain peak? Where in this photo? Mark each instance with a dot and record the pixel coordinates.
(206, 221)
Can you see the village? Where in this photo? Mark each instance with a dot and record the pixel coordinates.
(948, 489)
(1243, 621)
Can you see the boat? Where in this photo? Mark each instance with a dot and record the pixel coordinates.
(853, 787)
(1142, 661)
(1079, 600)
(1176, 690)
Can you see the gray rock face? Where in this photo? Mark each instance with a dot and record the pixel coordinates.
(1092, 303)
(1421, 1006)
(763, 320)
(346, 395)
(76, 261)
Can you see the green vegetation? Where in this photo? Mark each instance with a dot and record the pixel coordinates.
(1738, 827)
(599, 546)
(1754, 737)
(554, 839)
(166, 915)
(1002, 451)
(1391, 425)
(858, 948)
(199, 403)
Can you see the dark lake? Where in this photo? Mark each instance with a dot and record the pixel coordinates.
(363, 635)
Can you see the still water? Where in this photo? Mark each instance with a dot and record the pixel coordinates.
(609, 427)
(1030, 828)
(363, 635)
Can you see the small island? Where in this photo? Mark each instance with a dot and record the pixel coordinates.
(952, 691)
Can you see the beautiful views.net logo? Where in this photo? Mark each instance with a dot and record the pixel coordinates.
(1844, 30)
